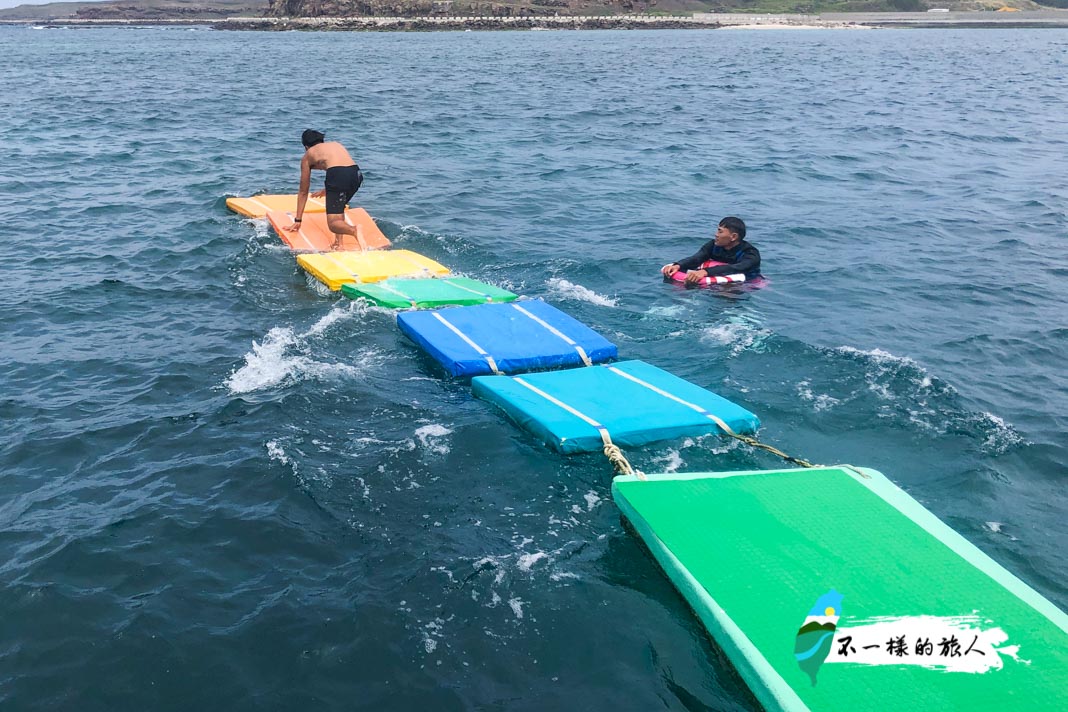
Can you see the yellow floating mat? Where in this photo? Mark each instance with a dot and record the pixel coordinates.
(315, 235)
(337, 268)
(258, 206)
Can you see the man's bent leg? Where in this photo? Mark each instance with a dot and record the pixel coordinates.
(339, 227)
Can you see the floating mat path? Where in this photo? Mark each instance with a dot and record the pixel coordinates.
(753, 551)
(259, 205)
(505, 338)
(337, 268)
(632, 403)
(447, 291)
(315, 235)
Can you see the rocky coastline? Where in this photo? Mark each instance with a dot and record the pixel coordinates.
(705, 21)
(437, 24)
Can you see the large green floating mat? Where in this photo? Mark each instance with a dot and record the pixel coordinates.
(832, 589)
(427, 293)
(629, 403)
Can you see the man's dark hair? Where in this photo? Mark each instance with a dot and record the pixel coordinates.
(735, 225)
(311, 137)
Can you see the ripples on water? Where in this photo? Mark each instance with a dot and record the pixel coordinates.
(226, 487)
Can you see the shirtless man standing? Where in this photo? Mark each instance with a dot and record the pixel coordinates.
(343, 179)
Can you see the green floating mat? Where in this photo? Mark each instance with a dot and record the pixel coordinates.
(408, 293)
(832, 589)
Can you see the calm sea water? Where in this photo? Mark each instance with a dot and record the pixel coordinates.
(222, 487)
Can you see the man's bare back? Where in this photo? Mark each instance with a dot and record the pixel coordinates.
(327, 155)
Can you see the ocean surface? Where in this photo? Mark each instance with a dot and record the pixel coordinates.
(223, 487)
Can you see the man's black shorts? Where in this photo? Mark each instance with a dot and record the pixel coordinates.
(342, 182)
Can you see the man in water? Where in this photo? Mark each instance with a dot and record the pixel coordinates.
(728, 246)
(343, 179)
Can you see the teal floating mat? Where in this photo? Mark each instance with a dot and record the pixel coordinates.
(630, 402)
(832, 589)
(428, 293)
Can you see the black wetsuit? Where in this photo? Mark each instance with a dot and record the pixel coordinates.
(342, 182)
(743, 258)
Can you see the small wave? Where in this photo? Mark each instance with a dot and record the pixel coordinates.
(999, 528)
(568, 290)
(332, 317)
(674, 311)
(271, 363)
(1000, 436)
(906, 389)
(819, 402)
(738, 334)
(885, 368)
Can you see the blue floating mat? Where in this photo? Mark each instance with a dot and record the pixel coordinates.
(631, 402)
(505, 338)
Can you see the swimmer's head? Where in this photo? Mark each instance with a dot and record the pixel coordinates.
(735, 225)
(311, 137)
(731, 230)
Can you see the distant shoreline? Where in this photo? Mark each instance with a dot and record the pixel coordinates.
(701, 21)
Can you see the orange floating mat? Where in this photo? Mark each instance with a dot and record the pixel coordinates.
(315, 235)
(259, 205)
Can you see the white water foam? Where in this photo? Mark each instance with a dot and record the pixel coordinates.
(332, 317)
(432, 438)
(670, 461)
(568, 290)
(412, 229)
(262, 230)
(317, 287)
(525, 561)
(277, 359)
(432, 632)
(738, 334)
(277, 453)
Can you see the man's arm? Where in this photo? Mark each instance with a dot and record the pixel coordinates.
(302, 195)
(305, 184)
(694, 261)
(749, 259)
